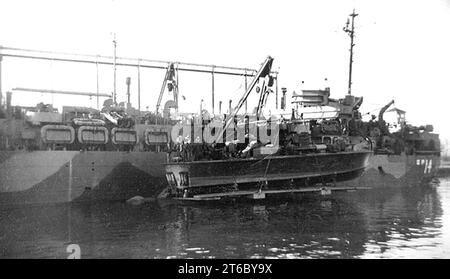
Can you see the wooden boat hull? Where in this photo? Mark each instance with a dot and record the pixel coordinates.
(297, 170)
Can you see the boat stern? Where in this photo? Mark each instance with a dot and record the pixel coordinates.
(177, 176)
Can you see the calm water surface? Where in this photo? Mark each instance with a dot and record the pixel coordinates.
(390, 223)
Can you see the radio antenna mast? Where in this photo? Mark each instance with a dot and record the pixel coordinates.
(115, 68)
(351, 32)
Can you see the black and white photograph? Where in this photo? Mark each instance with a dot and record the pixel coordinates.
(250, 130)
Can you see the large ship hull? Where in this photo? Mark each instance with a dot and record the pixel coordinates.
(42, 177)
(45, 177)
(398, 171)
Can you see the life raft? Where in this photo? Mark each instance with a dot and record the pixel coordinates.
(155, 137)
(57, 134)
(93, 135)
(124, 136)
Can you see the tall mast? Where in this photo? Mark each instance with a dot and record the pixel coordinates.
(351, 33)
(114, 65)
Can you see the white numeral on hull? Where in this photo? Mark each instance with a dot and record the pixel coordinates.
(74, 250)
(427, 163)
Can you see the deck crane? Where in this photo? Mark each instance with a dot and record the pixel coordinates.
(264, 72)
(383, 110)
(171, 82)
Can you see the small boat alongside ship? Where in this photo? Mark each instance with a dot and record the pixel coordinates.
(298, 155)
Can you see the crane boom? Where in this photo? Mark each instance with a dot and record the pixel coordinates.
(262, 72)
(170, 75)
(383, 110)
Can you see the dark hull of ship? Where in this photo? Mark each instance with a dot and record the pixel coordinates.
(44, 177)
(279, 171)
(399, 171)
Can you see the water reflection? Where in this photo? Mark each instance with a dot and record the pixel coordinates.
(388, 223)
(406, 223)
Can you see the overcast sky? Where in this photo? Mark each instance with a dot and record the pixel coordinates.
(402, 48)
